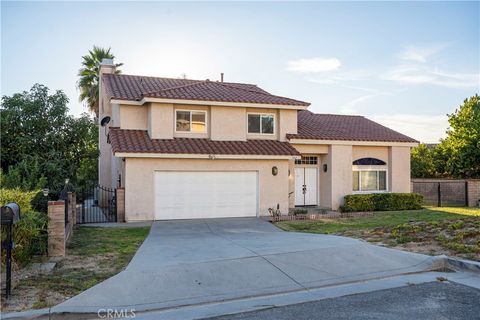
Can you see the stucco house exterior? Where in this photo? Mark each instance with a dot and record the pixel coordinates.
(197, 149)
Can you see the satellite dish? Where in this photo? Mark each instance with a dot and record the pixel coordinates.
(105, 121)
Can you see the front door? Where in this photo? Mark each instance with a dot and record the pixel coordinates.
(306, 186)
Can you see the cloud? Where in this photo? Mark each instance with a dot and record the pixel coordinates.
(313, 65)
(421, 74)
(418, 71)
(420, 53)
(341, 77)
(350, 107)
(425, 128)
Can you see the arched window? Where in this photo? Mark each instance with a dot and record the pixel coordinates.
(368, 162)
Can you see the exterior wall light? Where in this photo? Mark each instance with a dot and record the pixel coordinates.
(45, 192)
(274, 171)
(325, 167)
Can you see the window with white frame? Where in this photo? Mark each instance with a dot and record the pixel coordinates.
(190, 121)
(261, 123)
(369, 180)
(307, 160)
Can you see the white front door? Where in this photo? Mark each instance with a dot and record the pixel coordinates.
(306, 186)
(205, 194)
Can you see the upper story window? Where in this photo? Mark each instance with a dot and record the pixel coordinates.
(261, 123)
(190, 121)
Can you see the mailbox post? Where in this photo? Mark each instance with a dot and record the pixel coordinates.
(10, 215)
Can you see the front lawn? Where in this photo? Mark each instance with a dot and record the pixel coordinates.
(450, 231)
(93, 255)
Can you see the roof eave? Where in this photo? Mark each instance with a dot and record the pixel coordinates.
(201, 156)
(354, 142)
(209, 103)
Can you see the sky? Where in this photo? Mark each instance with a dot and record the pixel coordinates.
(403, 64)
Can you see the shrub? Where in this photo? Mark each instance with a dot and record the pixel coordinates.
(382, 202)
(23, 198)
(30, 233)
(297, 212)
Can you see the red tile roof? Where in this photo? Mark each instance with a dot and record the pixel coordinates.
(128, 87)
(138, 141)
(342, 127)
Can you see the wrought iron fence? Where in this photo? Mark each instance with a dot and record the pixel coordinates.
(96, 204)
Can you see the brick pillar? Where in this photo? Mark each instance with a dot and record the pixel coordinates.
(120, 204)
(56, 228)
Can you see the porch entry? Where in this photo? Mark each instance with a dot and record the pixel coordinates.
(306, 186)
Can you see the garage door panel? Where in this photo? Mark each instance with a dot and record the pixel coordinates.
(187, 195)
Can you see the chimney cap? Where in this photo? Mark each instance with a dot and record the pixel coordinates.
(107, 62)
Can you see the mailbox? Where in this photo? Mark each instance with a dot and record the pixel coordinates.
(10, 215)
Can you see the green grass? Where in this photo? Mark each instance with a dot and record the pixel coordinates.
(379, 219)
(106, 250)
(90, 241)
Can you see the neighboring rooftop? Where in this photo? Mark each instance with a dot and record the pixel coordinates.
(343, 127)
(138, 141)
(129, 87)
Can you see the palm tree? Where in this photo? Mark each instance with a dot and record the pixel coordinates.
(89, 75)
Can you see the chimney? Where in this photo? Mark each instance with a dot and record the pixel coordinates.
(221, 77)
(107, 66)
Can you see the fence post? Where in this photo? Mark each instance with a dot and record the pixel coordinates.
(466, 193)
(439, 194)
(56, 228)
(120, 203)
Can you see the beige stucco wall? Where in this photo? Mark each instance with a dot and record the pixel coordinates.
(311, 149)
(399, 169)
(291, 183)
(223, 123)
(105, 156)
(337, 181)
(139, 181)
(133, 117)
(340, 171)
(227, 123)
(287, 123)
(325, 182)
(370, 152)
(160, 121)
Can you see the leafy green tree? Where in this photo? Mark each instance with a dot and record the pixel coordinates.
(41, 144)
(89, 76)
(461, 148)
(422, 162)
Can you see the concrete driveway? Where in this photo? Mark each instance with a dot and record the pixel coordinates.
(190, 262)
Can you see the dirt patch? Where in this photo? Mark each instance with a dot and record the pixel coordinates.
(34, 289)
(457, 238)
(93, 255)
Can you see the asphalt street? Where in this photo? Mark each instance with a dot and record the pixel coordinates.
(434, 300)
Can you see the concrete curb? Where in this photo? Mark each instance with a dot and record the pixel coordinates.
(439, 264)
(444, 262)
(29, 314)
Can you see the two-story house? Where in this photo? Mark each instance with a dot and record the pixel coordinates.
(197, 149)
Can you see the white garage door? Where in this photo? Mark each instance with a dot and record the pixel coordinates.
(205, 194)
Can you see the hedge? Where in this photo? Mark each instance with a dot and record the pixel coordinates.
(382, 202)
(30, 233)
